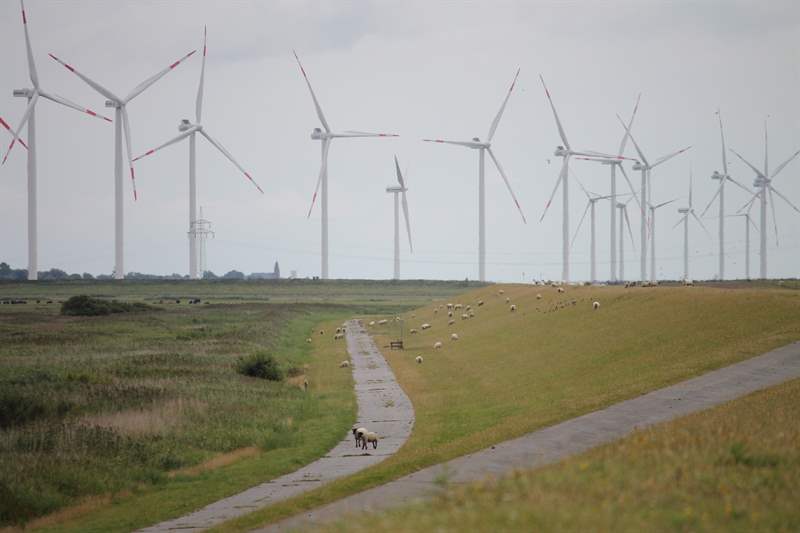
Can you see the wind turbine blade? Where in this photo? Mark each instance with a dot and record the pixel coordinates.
(784, 198)
(628, 223)
(691, 178)
(766, 149)
(91, 83)
(578, 229)
(139, 89)
(468, 144)
(180, 137)
(227, 154)
(700, 222)
(313, 96)
(10, 131)
(635, 144)
(364, 134)
(402, 183)
(555, 114)
(199, 103)
(745, 189)
(680, 220)
(25, 117)
(561, 174)
(716, 194)
(588, 195)
(783, 165)
(749, 203)
(323, 171)
(630, 186)
(722, 140)
(496, 120)
(624, 141)
(28, 49)
(774, 218)
(754, 169)
(127, 130)
(63, 101)
(670, 156)
(662, 204)
(508, 185)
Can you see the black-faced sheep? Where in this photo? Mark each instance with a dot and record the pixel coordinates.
(369, 436)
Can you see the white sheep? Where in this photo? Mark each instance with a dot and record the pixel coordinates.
(308, 340)
(688, 282)
(464, 316)
(451, 322)
(480, 303)
(595, 305)
(338, 330)
(382, 322)
(369, 437)
(371, 322)
(344, 364)
(454, 336)
(338, 336)
(437, 345)
(425, 326)
(418, 359)
(458, 306)
(412, 331)
(359, 433)
(449, 306)
(501, 291)
(561, 289)
(513, 307)
(538, 296)
(508, 300)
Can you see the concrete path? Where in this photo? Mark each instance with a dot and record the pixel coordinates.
(571, 437)
(383, 407)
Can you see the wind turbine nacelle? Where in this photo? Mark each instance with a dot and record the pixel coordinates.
(760, 182)
(317, 134)
(716, 176)
(560, 151)
(22, 93)
(184, 125)
(110, 103)
(683, 210)
(638, 166)
(620, 205)
(394, 188)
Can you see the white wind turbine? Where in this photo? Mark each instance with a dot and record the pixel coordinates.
(592, 199)
(121, 121)
(763, 184)
(623, 217)
(190, 130)
(483, 147)
(400, 189)
(644, 165)
(614, 164)
(326, 137)
(686, 211)
(724, 177)
(29, 118)
(748, 221)
(653, 209)
(566, 152)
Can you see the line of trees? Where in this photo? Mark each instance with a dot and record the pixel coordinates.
(21, 274)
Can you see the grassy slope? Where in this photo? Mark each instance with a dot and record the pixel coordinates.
(731, 468)
(512, 373)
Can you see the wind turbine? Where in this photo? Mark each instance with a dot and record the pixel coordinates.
(721, 194)
(121, 121)
(190, 130)
(592, 199)
(686, 211)
(614, 164)
(29, 118)
(401, 190)
(763, 184)
(565, 151)
(748, 221)
(326, 137)
(623, 217)
(646, 168)
(483, 147)
(653, 237)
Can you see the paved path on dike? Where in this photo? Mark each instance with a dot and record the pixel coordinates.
(383, 407)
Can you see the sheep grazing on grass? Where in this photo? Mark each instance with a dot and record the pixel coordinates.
(418, 359)
(513, 307)
(338, 330)
(308, 340)
(450, 314)
(436, 311)
(437, 345)
(472, 314)
(322, 332)
(688, 282)
(369, 436)
(467, 308)
(595, 305)
(425, 326)
(464, 316)
(538, 296)
(371, 322)
(508, 300)
(501, 291)
(561, 289)
(412, 331)
(454, 336)
(458, 306)
(338, 336)
(358, 434)
(382, 322)
(451, 322)
(480, 303)
(449, 306)
(344, 364)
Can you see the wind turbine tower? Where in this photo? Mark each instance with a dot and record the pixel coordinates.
(399, 192)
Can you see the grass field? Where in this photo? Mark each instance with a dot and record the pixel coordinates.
(731, 468)
(116, 422)
(512, 373)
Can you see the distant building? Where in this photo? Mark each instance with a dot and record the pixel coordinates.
(275, 274)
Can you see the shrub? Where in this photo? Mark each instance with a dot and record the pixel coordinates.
(83, 305)
(260, 365)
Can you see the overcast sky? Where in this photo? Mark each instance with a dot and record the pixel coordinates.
(420, 69)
